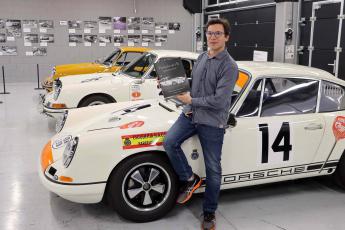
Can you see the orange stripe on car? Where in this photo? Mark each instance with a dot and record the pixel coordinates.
(65, 179)
(242, 79)
(46, 156)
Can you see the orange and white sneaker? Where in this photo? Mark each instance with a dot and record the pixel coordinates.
(188, 188)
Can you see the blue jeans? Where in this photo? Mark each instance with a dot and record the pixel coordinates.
(211, 139)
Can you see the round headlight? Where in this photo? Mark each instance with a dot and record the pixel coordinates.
(69, 151)
(60, 123)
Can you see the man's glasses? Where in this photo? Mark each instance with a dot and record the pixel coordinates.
(216, 34)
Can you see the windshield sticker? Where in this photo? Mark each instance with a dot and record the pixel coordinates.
(143, 140)
(135, 92)
(133, 124)
(61, 142)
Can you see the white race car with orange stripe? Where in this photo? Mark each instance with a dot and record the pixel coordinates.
(286, 122)
(137, 81)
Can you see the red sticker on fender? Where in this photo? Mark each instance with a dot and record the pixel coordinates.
(133, 124)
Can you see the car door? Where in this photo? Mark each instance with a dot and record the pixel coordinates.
(277, 130)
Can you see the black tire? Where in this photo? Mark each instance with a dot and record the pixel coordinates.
(127, 196)
(339, 174)
(94, 100)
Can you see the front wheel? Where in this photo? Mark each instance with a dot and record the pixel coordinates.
(94, 100)
(143, 188)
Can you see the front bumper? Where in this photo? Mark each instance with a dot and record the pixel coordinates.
(55, 113)
(87, 193)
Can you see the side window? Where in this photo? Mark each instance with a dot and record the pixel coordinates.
(250, 106)
(126, 58)
(332, 97)
(286, 96)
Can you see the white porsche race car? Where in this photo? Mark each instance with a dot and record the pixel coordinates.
(286, 122)
(137, 81)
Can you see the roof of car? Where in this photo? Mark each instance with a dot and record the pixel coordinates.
(134, 49)
(258, 69)
(175, 53)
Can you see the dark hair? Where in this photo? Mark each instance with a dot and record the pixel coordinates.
(224, 22)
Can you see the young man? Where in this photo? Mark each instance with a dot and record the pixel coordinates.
(205, 114)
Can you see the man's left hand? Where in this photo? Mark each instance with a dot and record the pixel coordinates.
(185, 98)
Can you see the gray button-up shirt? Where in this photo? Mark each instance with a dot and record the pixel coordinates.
(213, 80)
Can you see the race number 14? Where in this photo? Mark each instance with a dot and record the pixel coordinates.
(283, 134)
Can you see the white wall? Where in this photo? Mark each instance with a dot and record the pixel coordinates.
(22, 68)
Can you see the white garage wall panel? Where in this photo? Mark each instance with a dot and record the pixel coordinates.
(22, 68)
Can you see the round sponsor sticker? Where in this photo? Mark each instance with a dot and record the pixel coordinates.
(136, 94)
(127, 142)
(339, 127)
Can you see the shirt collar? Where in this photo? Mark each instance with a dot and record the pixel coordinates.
(220, 55)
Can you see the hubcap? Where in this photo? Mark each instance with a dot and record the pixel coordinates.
(146, 187)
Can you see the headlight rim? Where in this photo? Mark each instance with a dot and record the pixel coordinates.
(61, 123)
(69, 152)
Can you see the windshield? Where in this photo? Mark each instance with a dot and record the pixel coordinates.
(110, 59)
(138, 67)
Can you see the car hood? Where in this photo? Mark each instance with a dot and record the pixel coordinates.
(120, 116)
(94, 78)
(86, 67)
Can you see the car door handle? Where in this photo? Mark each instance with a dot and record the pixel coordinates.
(313, 126)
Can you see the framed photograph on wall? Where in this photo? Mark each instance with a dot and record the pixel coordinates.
(161, 26)
(90, 24)
(119, 23)
(2, 37)
(39, 51)
(133, 23)
(104, 39)
(75, 38)
(91, 38)
(174, 26)
(46, 24)
(147, 23)
(120, 39)
(104, 23)
(30, 24)
(47, 38)
(30, 38)
(8, 50)
(13, 28)
(74, 24)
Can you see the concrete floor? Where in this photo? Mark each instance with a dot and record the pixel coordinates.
(26, 204)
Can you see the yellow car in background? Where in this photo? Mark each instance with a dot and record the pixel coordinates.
(119, 58)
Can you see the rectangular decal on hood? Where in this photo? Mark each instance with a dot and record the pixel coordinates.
(142, 140)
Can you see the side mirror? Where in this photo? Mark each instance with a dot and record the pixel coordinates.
(231, 120)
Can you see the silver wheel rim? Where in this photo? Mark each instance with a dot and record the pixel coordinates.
(144, 192)
(96, 103)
